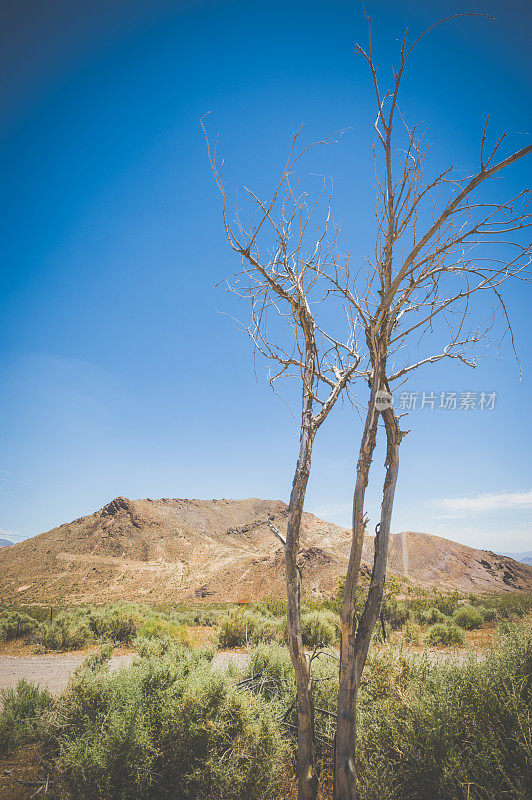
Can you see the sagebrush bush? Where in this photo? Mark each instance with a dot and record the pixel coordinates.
(445, 633)
(509, 605)
(195, 616)
(239, 627)
(468, 617)
(396, 612)
(270, 674)
(69, 631)
(21, 715)
(431, 616)
(154, 628)
(319, 628)
(412, 633)
(453, 730)
(169, 727)
(488, 614)
(118, 623)
(14, 625)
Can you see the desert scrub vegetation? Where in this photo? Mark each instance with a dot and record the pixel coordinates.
(75, 628)
(320, 628)
(468, 617)
(440, 730)
(452, 731)
(16, 625)
(249, 626)
(507, 605)
(396, 612)
(445, 633)
(156, 628)
(431, 616)
(23, 715)
(69, 631)
(170, 726)
(173, 726)
(239, 627)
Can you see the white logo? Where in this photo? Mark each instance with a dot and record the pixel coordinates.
(383, 400)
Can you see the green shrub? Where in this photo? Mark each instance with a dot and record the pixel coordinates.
(196, 616)
(412, 633)
(468, 617)
(118, 623)
(168, 727)
(239, 627)
(153, 628)
(450, 731)
(446, 634)
(21, 717)
(270, 674)
(431, 616)
(207, 616)
(510, 605)
(69, 631)
(272, 669)
(317, 628)
(446, 603)
(275, 606)
(14, 625)
(396, 612)
(488, 614)
(379, 636)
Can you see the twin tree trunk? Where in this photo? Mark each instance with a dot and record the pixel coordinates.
(355, 639)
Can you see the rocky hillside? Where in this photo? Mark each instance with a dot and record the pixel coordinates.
(220, 550)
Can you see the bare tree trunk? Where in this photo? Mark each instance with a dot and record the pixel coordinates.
(354, 657)
(345, 724)
(306, 766)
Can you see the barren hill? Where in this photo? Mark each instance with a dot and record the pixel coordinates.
(222, 550)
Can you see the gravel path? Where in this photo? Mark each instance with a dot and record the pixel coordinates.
(223, 659)
(53, 671)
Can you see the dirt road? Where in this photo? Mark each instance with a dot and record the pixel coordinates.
(54, 670)
(51, 671)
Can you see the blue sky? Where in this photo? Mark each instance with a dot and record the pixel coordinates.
(121, 371)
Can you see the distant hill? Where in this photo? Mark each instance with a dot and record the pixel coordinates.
(220, 550)
(5, 542)
(524, 558)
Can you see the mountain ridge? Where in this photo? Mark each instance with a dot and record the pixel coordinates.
(6, 542)
(179, 550)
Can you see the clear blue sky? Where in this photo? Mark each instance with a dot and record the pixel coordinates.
(119, 374)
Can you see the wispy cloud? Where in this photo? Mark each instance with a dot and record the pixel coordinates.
(9, 534)
(339, 513)
(460, 507)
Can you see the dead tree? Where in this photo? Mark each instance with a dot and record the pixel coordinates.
(427, 282)
(424, 284)
(285, 258)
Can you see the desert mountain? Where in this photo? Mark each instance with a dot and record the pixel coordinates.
(5, 542)
(222, 550)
